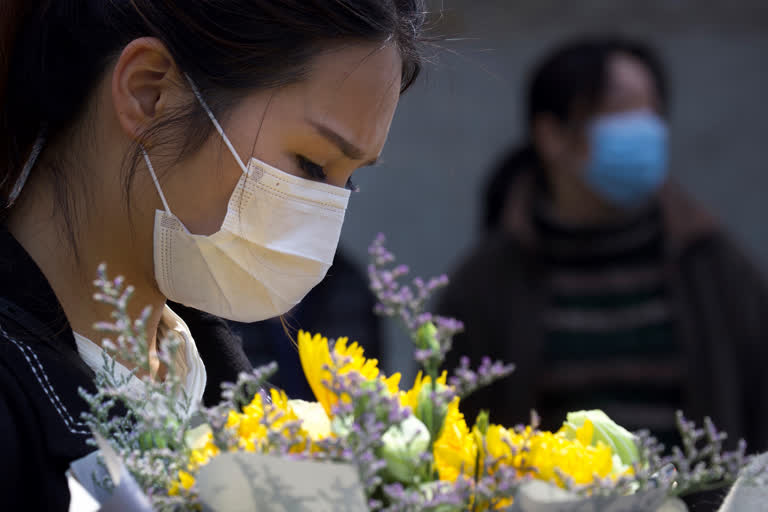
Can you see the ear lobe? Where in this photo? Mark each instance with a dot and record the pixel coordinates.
(141, 84)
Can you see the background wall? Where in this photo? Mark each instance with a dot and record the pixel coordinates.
(465, 111)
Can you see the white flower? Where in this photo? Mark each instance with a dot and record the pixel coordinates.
(403, 446)
(313, 418)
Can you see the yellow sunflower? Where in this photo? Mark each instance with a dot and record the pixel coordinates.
(315, 355)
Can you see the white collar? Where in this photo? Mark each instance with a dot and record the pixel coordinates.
(188, 358)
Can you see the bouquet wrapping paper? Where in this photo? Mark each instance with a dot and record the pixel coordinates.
(244, 482)
(750, 492)
(538, 496)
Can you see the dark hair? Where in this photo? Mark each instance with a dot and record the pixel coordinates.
(573, 76)
(228, 47)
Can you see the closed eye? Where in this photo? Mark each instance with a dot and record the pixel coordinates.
(316, 172)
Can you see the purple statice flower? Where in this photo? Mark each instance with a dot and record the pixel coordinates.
(432, 335)
(429, 496)
(702, 462)
(466, 381)
(407, 301)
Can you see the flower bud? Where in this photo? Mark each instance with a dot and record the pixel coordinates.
(402, 447)
(426, 337)
(483, 422)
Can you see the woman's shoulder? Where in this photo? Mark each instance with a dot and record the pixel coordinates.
(41, 373)
(40, 389)
(31, 476)
(41, 431)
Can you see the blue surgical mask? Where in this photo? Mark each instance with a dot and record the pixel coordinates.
(628, 162)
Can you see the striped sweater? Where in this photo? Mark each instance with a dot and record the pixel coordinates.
(609, 342)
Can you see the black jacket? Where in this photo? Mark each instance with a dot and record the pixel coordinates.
(41, 372)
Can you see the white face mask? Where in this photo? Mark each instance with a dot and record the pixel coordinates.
(276, 243)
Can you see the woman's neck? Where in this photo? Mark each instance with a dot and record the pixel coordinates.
(68, 249)
(573, 203)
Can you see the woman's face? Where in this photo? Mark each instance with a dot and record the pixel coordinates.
(323, 128)
(630, 87)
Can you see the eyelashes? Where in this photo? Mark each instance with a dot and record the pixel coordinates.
(313, 170)
(317, 172)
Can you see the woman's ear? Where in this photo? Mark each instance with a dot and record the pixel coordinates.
(548, 138)
(143, 84)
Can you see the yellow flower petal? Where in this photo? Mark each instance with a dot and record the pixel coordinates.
(455, 452)
(392, 383)
(410, 398)
(585, 433)
(187, 481)
(315, 355)
(202, 454)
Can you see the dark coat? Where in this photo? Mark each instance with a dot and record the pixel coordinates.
(720, 309)
(40, 373)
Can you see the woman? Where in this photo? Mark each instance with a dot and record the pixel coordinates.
(201, 150)
(599, 279)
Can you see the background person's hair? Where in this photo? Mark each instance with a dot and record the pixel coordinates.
(570, 81)
(53, 53)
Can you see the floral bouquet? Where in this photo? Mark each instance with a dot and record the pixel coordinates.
(368, 443)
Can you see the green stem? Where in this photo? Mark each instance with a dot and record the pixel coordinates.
(432, 435)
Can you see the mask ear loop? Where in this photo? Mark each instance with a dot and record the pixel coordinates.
(37, 148)
(216, 123)
(154, 178)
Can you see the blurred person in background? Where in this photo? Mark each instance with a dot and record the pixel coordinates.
(340, 306)
(604, 284)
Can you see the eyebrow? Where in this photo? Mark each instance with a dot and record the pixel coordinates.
(349, 149)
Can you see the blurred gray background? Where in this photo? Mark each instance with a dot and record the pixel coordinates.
(466, 110)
